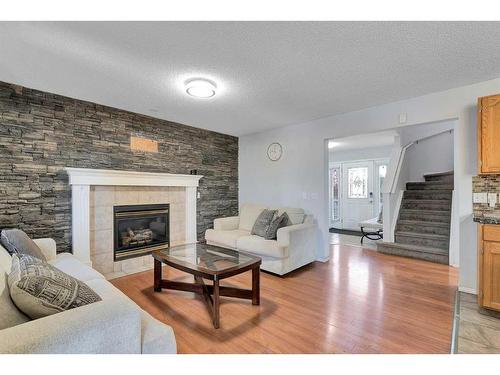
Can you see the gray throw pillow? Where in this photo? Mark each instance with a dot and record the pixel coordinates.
(39, 289)
(278, 222)
(16, 241)
(262, 222)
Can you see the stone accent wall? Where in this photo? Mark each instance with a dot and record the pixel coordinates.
(486, 184)
(41, 133)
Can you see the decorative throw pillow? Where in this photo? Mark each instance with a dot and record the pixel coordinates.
(262, 222)
(278, 222)
(16, 241)
(39, 289)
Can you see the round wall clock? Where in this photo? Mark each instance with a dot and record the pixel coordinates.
(274, 151)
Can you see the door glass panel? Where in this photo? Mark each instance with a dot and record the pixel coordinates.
(382, 171)
(335, 193)
(357, 183)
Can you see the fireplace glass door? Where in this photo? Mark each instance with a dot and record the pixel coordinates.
(139, 229)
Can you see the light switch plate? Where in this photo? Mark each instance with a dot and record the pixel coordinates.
(480, 197)
(492, 199)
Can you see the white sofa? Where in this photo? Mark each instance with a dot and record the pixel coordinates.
(294, 247)
(114, 325)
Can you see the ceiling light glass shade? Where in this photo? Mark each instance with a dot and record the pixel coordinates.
(200, 88)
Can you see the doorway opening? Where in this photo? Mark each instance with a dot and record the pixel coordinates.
(357, 169)
(397, 186)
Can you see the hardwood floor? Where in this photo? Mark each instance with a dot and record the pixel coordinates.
(360, 301)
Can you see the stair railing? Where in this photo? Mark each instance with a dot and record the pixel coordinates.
(392, 194)
(393, 171)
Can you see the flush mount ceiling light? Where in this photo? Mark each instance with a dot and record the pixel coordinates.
(200, 88)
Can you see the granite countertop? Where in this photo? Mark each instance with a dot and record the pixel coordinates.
(487, 219)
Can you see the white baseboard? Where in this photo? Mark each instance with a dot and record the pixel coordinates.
(467, 290)
(323, 260)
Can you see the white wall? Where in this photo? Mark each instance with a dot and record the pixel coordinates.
(299, 178)
(431, 155)
(360, 154)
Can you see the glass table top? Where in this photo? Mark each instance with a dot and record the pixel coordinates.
(207, 257)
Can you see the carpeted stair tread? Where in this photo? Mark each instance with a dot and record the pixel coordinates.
(426, 204)
(430, 191)
(430, 216)
(425, 212)
(429, 236)
(423, 226)
(434, 195)
(434, 182)
(421, 222)
(434, 185)
(443, 177)
(429, 254)
(410, 200)
(439, 174)
(416, 248)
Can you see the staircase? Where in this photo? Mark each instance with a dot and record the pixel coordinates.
(423, 226)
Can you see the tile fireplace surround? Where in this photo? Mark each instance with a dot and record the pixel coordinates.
(94, 192)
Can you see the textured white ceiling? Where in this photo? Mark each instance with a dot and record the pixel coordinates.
(270, 74)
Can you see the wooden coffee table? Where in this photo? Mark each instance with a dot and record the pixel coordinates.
(208, 262)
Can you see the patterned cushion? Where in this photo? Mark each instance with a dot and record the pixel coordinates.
(16, 241)
(278, 222)
(295, 215)
(262, 222)
(39, 289)
(248, 214)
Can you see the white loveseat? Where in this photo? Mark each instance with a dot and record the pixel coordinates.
(294, 247)
(114, 325)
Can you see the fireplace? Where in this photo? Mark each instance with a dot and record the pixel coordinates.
(140, 229)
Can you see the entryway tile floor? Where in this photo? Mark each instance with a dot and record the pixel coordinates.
(347, 239)
(477, 333)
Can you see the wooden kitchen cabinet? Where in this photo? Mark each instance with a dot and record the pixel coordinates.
(488, 120)
(489, 266)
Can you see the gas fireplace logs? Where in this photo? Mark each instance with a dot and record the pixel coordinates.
(137, 237)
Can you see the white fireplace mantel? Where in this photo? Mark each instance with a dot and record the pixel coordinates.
(81, 179)
(85, 176)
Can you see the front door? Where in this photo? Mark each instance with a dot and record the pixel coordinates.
(358, 199)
